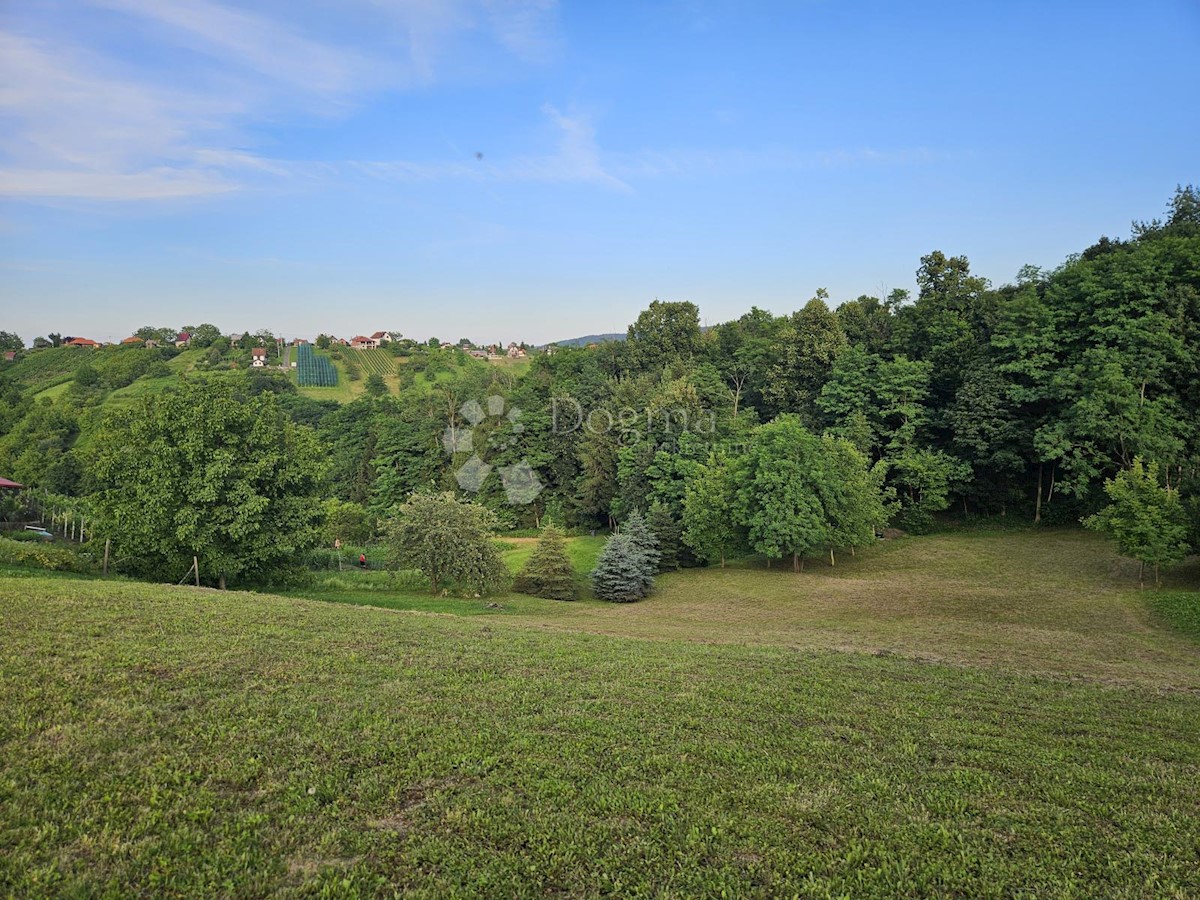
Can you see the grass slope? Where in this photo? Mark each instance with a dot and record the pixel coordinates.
(1049, 602)
(173, 741)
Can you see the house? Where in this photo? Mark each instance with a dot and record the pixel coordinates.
(516, 352)
(235, 340)
(183, 339)
(381, 337)
(82, 342)
(361, 342)
(258, 357)
(132, 340)
(479, 354)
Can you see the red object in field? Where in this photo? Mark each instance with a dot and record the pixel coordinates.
(10, 485)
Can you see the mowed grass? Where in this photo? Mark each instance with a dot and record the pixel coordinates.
(179, 742)
(1048, 602)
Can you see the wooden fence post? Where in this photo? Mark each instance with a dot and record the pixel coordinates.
(107, 545)
(196, 569)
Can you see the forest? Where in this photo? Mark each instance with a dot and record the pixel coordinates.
(960, 401)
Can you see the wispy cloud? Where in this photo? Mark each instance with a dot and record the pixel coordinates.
(79, 118)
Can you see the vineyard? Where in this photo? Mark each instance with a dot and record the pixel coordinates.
(375, 362)
(313, 370)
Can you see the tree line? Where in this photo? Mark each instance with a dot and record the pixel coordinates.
(785, 435)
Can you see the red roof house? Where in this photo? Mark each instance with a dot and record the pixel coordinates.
(82, 342)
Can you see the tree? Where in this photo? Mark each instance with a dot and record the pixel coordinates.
(375, 385)
(323, 341)
(777, 499)
(1146, 520)
(646, 545)
(811, 343)
(668, 533)
(11, 341)
(851, 495)
(548, 572)
(662, 334)
(162, 335)
(448, 540)
(203, 471)
(347, 522)
(619, 576)
(708, 512)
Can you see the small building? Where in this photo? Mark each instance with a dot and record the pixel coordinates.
(258, 357)
(183, 339)
(235, 340)
(133, 339)
(381, 337)
(82, 342)
(362, 342)
(515, 351)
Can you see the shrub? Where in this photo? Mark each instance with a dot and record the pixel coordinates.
(548, 572)
(31, 537)
(43, 556)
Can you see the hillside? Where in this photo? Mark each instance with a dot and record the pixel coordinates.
(591, 339)
(178, 742)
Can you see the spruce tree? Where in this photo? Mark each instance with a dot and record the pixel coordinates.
(646, 545)
(620, 573)
(548, 572)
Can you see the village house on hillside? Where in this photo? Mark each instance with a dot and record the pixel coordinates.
(361, 342)
(134, 339)
(258, 357)
(516, 351)
(183, 339)
(82, 342)
(381, 338)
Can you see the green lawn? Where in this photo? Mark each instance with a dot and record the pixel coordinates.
(1020, 723)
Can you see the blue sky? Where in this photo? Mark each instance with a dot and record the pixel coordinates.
(501, 169)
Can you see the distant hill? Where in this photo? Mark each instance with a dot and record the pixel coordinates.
(591, 339)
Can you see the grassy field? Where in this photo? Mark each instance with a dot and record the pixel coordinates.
(1021, 723)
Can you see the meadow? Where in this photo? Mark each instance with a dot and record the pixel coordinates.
(992, 714)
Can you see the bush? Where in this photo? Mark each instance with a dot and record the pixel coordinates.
(31, 537)
(43, 556)
(620, 573)
(548, 572)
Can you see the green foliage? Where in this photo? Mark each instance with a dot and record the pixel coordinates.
(620, 573)
(55, 557)
(347, 522)
(449, 541)
(709, 525)
(668, 532)
(375, 386)
(548, 572)
(777, 499)
(645, 542)
(201, 471)
(663, 334)
(1145, 519)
